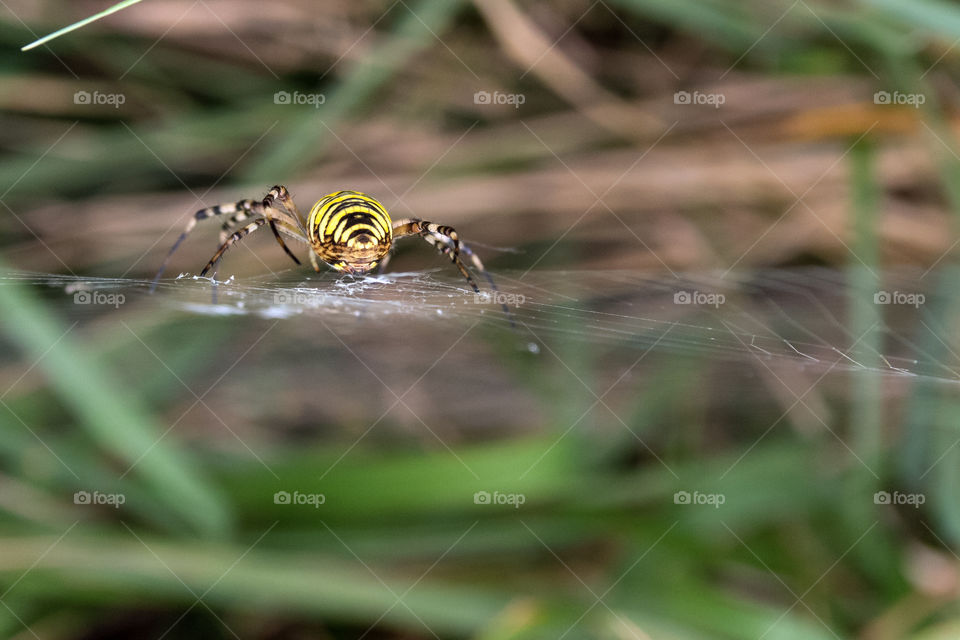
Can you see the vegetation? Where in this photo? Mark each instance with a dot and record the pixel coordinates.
(172, 469)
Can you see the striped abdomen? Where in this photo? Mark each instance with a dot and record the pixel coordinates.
(350, 231)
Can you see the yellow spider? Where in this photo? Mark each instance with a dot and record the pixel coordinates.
(348, 230)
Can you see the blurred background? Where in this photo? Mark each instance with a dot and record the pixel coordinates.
(723, 402)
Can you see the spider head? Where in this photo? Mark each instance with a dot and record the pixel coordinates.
(363, 253)
(356, 268)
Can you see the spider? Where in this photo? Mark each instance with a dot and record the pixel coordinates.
(348, 230)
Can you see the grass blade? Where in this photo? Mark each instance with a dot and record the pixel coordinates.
(81, 23)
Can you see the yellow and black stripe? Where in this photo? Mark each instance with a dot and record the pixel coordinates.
(350, 231)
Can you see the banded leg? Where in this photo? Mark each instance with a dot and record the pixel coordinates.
(447, 242)
(249, 209)
(235, 237)
(285, 227)
(202, 214)
(434, 234)
(280, 194)
(246, 209)
(493, 285)
(449, 249)
(475, 259)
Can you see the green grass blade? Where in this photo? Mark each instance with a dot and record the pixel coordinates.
(117, 421)
(81, 23)
(102, 569)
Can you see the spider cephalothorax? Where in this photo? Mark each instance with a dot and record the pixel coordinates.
(347, 230)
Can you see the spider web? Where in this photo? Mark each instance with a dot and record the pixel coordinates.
(795, 318)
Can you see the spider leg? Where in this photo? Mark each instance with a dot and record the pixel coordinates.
(230, 225)
(251, 209)
(280, 194)
(276, 234)
(447, 242)
(433, 233)
(289, 229)
(246, 209)
(235, 237)
(475, 259)
(291, 232)
(284, 227)
(313, 260)
(202, 214)
(493, 285)
(447, 248)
